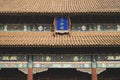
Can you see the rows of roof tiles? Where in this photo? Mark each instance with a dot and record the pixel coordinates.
(59, 6)
(48, 39)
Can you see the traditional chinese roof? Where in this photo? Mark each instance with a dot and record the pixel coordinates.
(59, 6)
(47, 39)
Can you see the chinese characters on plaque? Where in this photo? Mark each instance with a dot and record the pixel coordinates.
(62, 24)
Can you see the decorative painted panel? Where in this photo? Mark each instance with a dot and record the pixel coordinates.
(13, 65)
(62, 58)
(13, 58)
(15, 27)
(61, 25)
(62, 64)
(95, 27)
(40, 65)
(59, 61)
(108, 58)
(40, 27)
(26, 27)
(8, 65)
(1, 27)
(108, 64)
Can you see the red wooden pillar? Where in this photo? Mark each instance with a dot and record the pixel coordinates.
(30, 74)
(94, 69)
(94, 74)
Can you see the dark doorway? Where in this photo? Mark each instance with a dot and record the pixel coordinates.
(110, 74)
(12, 74)
(62, 74)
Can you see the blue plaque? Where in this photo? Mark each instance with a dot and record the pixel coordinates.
(61, 23)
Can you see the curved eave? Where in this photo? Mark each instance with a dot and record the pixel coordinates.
(62, 13)
(47, 39)
(58, 46)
